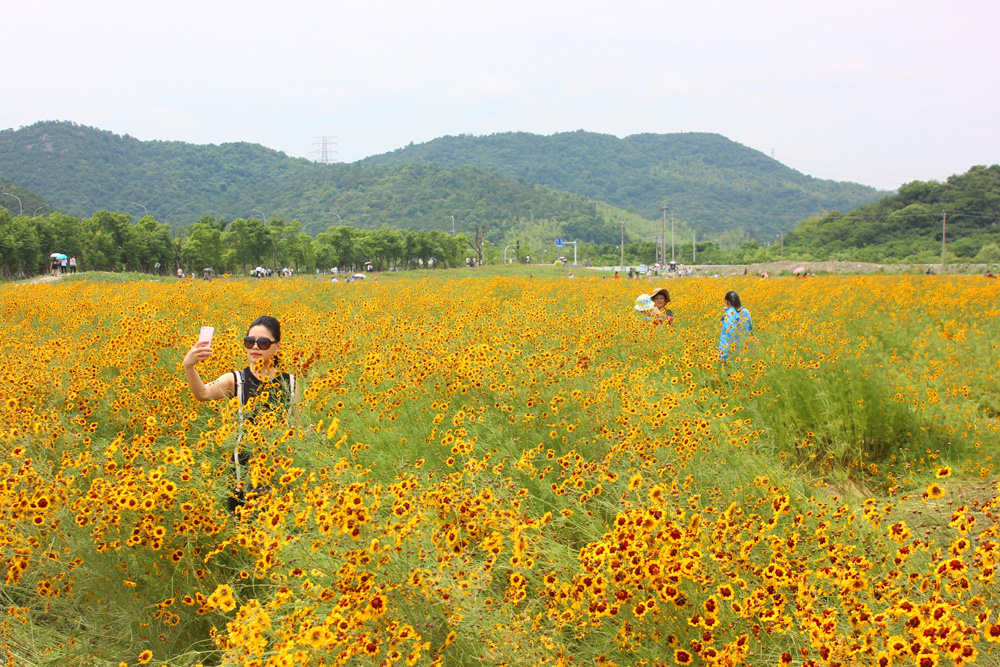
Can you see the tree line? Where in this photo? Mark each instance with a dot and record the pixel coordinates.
(960, 216)
(110, 241)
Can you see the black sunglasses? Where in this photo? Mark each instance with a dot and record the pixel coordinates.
(262, 343)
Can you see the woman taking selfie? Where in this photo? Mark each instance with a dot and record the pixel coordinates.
(274, 390)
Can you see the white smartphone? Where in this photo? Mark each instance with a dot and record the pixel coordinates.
(205, 335)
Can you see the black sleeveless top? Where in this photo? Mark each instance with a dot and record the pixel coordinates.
(272, 395)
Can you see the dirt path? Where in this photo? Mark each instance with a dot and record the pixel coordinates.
(40, 279)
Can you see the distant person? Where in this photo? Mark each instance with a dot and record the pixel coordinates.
(72, 264)
(63, 265)
(736, 325)
(989, 274)
(616, 276)
(660, 298)
(644, 307)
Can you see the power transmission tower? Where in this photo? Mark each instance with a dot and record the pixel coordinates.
(326, 150)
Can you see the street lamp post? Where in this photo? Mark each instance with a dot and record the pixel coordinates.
(673, 256)
(663, 239)
(781, 239)
(144, 211)
(39, 209)
(452, 225)
(19, 204)
(621, 266)
(944, 226)
(262, 218)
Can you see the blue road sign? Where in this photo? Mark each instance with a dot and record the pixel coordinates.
(559, 243)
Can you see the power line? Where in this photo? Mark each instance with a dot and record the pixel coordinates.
(847, 172)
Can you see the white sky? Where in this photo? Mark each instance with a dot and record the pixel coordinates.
(876, 91)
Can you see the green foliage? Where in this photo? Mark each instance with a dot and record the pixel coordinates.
(82, 170)
(989, 254)
(709, 181)
(908, 226)
(844, 414)
(21, 201)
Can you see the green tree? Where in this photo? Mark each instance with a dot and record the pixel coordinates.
(988, 254)
(202, 248)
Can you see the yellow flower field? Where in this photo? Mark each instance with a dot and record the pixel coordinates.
(506, 470)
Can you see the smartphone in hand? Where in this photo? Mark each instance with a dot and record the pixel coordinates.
(205, 335)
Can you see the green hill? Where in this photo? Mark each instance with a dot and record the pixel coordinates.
(709, 181)
(908, 226)
(82, 170)
(22, 201)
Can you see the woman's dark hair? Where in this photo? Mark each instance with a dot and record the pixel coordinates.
(733, 299)
(272, 324)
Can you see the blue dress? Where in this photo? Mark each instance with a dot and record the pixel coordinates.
(736, 326)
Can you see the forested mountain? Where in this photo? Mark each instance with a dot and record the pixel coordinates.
(82, 170)
(710, 182)
(909, 225)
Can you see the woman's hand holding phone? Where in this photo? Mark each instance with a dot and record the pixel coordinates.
(202, 350)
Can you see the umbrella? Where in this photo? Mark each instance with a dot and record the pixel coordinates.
(799, 270)
(358, 276)
(59, 255)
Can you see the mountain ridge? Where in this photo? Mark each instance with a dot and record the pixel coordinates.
(713, 182)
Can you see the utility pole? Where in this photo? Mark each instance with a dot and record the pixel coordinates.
(781, 236)
(944, 226)
(694, 249)
(663, 239)
(452, 225)
(622, 264)
(673, 257)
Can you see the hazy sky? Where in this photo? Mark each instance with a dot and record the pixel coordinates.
(878, 92)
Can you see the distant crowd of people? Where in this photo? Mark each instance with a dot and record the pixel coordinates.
(63, 265)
